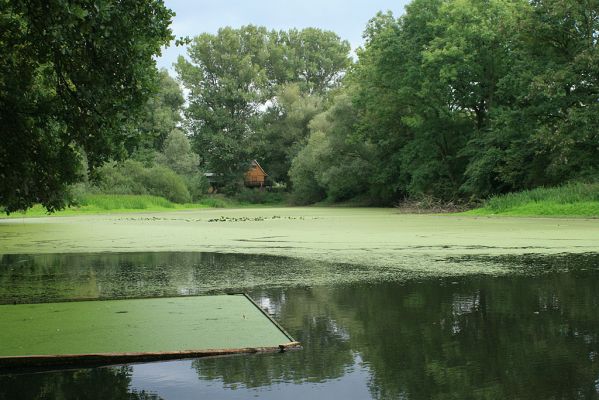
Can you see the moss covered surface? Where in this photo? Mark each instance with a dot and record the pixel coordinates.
(375, 237)
(135, 326)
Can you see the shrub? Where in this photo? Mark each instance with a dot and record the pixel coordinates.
(163, 181)
(131, 177)
(197, 184)
(215, 201)
(131, 202)
(257, 196)
(120, 178)
(304, 168)
(177, 154)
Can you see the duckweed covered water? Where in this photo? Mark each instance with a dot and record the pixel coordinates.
(128, 327)
(380, 237)
(387, 306)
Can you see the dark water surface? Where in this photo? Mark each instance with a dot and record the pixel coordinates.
(533, 334)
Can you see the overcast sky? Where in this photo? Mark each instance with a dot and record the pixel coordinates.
(345, 17)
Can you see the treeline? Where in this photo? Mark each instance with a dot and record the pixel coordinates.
(252, 94)
(456, 100)
(160, 161)
(463, 99)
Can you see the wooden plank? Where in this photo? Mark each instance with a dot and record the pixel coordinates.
(118, 331)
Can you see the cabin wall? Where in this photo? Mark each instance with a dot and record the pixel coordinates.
(255, 177)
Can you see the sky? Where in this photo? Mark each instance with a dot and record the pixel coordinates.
(347, 18)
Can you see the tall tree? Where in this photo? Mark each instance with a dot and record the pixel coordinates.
(563, 37)
(407, 111)
(284, 130)
(234, 75)
(73, 75)
(227, 85)
(162, 113)
(333, 164)
(429, 85)
(546, 130)
(314, 58)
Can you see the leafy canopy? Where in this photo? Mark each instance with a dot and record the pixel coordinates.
(74, 75)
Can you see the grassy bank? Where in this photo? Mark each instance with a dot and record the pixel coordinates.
(120, 203)
(576, 199)
(108, 203)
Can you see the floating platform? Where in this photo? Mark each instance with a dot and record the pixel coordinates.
(80, 333)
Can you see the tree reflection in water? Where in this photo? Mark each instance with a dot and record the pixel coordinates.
(97, 383)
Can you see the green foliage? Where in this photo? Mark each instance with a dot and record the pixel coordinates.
(469, 98)
(163, 181)
(172, 174)
(258, 196)
(216, 201)
(111, 202)
(315, 59)
(132, 177)
(455, 100)
(284, 130)
(332, 165)
(563, 93)
(197, 185)
(73, 78)
(305, 168)
(161, 114)
(177, 154)
(234, 74)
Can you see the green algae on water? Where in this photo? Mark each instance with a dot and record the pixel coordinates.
(166, 325)
(357, 236)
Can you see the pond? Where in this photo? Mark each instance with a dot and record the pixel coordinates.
(529, 333)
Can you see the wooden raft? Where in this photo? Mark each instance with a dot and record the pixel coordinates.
(87, 333)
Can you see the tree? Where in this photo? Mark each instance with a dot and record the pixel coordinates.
(162, 113)
(234, 75)
(562, 38)
(333, 164)
(73, 77)
(545, 131)
(313, 58)
(284, 130)
(431, 87)
(177, 154)
(226, 82)
(406, 110)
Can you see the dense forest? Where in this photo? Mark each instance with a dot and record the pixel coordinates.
(455, 100)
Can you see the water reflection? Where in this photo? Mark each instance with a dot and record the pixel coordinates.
(99, 383)
(519, 336)
(55, 277)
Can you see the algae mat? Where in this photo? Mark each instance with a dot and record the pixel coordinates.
(141, 329)
(362, 236)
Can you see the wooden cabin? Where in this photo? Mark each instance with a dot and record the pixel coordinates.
(255, 176)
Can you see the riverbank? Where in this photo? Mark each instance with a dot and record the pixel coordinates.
(119, 204)
(572, 200)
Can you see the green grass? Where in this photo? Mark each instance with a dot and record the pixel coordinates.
(120, 203)
(575, 199)
(103, 203)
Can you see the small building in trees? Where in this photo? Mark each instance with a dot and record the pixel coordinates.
(255, 176)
